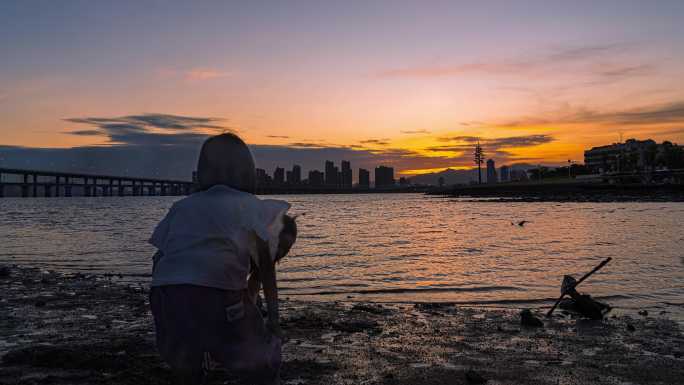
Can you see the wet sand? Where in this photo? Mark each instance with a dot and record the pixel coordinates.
(76, 329)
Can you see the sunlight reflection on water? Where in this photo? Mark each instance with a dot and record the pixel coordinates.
(394, 247)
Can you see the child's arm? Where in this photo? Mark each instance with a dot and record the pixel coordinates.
(267, 276)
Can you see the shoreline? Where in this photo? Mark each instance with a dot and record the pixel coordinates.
(564, 192)
(84, 329)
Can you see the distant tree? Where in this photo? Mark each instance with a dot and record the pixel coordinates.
(672, 156)
(479, 159)
(650, 154)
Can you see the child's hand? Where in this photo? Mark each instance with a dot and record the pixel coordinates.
(287, 237)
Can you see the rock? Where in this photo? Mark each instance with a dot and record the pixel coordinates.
(644, 313)
(40, 303)
(373, 309)
(474, 377)
(5, 272)
(631, 328)
(529, 320)
(433, 306)
(356, 326)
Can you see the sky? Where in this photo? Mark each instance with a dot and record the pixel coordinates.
(131, 87)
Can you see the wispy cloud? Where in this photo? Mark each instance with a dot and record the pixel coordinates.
(412, 132)
(603, 63)
(493, 147)
(194, 74)
(205, 74)
(150, 129)
(662, 114)
(278, 136)
(377, 142)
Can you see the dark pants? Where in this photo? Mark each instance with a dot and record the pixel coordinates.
(193, 320)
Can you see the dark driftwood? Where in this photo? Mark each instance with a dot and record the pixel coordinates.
(594, 270)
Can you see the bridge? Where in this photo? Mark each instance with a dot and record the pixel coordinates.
(35, 183)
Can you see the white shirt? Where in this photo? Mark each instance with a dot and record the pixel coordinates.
(205, 238)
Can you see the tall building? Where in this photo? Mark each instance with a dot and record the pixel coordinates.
(316, 178)
(505, 174)
(288, 177)
(279, 176)
(384, 177)
(346, 175)
(518, 175)
(364, 178)
(620, 157)
(262, 177)
(332, 174)
(296, 174)
(491, 171)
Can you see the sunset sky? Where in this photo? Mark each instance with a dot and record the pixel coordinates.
(405, 83)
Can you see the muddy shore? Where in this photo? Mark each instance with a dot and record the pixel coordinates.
(77, 329)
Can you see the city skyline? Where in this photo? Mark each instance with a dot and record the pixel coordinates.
(331, 176)
(410, 85)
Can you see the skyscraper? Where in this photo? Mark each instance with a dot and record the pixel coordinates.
(505, 172)
(331, 174)
(491, 171)
(315, 178)
(384, 177)
(279, 176)
(346, 174)
(364, 178)
(262, 177)
(296, 174)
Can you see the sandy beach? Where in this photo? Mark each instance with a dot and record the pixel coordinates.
(78, 329)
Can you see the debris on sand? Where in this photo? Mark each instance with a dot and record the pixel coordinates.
(529, 320)
(474, 377)
(4, 271)
(583, 304)
(643, 313)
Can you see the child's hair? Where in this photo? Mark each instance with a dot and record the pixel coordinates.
(226, 160)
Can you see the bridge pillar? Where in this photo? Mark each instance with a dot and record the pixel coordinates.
(25, 187)
(67, 187)
(163, 189)
(2, 187)
(120, 188)
(35, 185)
(47, 190)
(57, 180)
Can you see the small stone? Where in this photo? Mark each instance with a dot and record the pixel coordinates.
(528, 319)
(5, 272)
(40, 303)
(644, 313)
(631, 328)
(474, 377)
